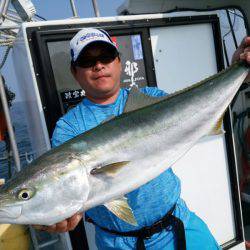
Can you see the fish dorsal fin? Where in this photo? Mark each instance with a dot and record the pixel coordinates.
(137, 100)
(122, 210)
(109, 169)
(217, 130)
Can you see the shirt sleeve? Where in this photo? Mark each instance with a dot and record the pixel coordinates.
(153, 91)
(62, 133)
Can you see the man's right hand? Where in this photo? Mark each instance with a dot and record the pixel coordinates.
(63, 226)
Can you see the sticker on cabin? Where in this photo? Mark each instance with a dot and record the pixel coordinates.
(130, 69)
(137, 47)
(72, 95)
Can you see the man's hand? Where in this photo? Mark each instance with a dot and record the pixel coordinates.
(243, 53)
(63, 226)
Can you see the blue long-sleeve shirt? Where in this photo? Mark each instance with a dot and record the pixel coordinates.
(149, 203)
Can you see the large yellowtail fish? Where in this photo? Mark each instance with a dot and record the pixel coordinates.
(103, 164)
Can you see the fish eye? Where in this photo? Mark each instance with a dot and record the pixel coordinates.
(24, 194)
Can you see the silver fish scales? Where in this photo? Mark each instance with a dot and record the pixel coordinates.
(103, 164)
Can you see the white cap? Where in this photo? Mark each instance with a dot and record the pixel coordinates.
(85, 37)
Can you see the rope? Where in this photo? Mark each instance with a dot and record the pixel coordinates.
(5, 56)
(6, 42)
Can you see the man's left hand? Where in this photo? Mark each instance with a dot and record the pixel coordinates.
(63, 226)
(243, 53)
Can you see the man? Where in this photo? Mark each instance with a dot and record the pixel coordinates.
(96, 66)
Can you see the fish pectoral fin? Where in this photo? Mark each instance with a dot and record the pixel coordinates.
(109, 169)
(217, 130)
(122, 210)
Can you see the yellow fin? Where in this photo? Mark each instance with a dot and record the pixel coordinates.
(122, 210)
(109, 169)
(217, 130)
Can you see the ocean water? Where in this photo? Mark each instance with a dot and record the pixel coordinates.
(22, 138)
(17, 113)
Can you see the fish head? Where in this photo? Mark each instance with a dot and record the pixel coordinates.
(13, 199)
(46, 197)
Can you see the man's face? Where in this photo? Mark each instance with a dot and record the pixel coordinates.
(98, 71)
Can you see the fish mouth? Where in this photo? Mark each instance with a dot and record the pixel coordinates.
(10, 212)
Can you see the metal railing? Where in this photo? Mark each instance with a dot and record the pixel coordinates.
(9, 125)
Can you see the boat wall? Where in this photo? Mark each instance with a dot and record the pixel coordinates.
(204, 177)
(28, 90)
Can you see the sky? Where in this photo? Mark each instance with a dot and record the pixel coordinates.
(55, 10)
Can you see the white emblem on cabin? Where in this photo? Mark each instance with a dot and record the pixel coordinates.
(130, 69)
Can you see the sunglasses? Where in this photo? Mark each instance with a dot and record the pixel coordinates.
(88, 62)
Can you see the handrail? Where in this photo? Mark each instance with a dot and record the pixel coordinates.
(5, 8)
(96, 9)
(73, 6)
(2, 4)
(9, 125)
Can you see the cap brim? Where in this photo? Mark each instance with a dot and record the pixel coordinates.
(92, 43)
